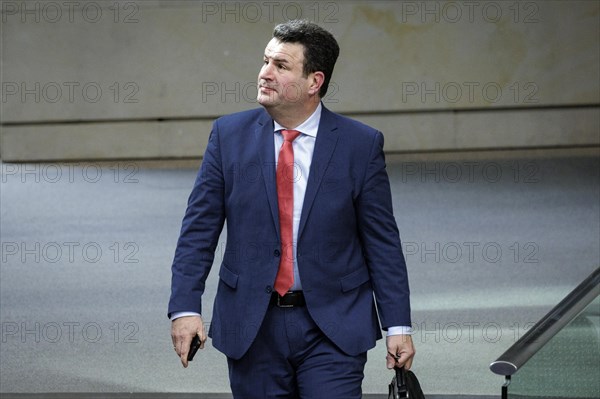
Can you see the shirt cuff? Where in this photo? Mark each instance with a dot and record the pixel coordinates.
(400, 330)
(177, 315)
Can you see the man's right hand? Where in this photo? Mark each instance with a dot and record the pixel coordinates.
(183, 329)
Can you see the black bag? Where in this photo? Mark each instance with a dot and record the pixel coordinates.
(405, 385)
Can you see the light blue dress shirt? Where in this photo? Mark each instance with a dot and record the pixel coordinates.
(303, 146)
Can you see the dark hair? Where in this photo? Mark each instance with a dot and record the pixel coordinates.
(320, 47)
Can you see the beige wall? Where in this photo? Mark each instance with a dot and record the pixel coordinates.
(144, 79)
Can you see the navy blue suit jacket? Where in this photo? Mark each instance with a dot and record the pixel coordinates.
(348, 243)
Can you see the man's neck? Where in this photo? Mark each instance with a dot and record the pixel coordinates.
(292, 118)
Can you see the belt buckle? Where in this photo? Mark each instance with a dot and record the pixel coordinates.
(279, 305)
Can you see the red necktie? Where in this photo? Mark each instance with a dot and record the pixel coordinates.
(285, 198)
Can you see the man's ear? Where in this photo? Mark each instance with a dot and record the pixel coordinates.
(318, 78)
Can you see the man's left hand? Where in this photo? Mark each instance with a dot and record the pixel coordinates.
(400, 351)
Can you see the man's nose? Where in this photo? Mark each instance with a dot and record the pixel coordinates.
(265, 72)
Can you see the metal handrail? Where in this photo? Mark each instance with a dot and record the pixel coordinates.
(536, 337)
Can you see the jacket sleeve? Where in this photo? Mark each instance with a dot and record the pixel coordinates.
(381, 242)
(200, 231)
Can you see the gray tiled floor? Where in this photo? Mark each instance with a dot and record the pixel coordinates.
(492, 243)
(189, 396)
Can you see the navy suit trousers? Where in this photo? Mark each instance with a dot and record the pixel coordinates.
(292, 358)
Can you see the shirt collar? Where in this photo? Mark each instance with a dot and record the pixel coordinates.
(309, 126)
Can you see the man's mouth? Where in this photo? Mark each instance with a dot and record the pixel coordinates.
(263, 86)
(266, 88)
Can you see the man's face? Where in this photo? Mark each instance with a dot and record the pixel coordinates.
(281, 81)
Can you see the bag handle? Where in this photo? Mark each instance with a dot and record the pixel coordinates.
(401, 383)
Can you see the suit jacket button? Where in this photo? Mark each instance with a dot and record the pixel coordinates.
(277, 253)
(268, 290)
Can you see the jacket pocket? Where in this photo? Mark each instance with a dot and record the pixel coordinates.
(228, 277)
(354, 279)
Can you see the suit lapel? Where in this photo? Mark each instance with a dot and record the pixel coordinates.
(266, 152)
(327, 138)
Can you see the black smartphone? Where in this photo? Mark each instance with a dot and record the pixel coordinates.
(195, 345)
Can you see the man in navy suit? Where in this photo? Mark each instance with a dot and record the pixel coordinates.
(313, 267)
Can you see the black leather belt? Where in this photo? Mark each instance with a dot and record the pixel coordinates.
(289, 300)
